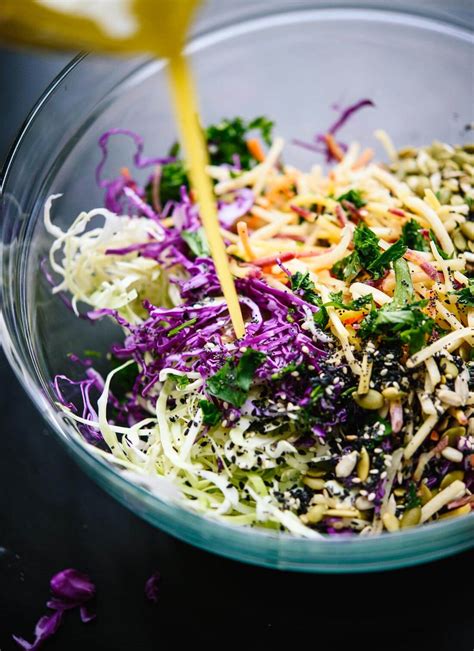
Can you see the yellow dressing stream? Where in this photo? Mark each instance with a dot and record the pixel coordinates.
(158, 27)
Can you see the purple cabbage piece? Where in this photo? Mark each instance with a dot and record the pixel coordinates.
(152, 587)
(46, 627)
(70, 589)
(240, 205)
(319, 145)
(116, 188)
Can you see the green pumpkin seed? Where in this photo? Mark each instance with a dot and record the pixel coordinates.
(314, 483)
(390, 522)
(452, 476)
(425, 494)
(316, 513)
(390, 393)
(363, 465)
(453, 434)
(467, 229)
(459, 241)
(444, 195)
(372, 400)
(411, 518)
(449, 368)
(455, 513)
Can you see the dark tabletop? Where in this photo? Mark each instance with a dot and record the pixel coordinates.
(52, 516)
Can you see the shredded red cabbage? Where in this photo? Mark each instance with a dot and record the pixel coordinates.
(70, 589)
(152, 587)
(320, 145)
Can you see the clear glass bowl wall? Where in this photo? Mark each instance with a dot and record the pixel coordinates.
(291, 66)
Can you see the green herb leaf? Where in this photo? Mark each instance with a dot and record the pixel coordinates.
(443, 254)
(225, 140)
(401, 319)
(232, 382)
(348, 268)
(466, 294)
(228, 139)
(181, 381)
(404, 293)
(378, 266)
(367, 255)
(173, 177)
(302, 285)
(357, 304)
(175, 331)
(211, 413)
(197, 242)
(284, 371)
(366, 244)
(412, 500)
(354, 196)
(412, 236)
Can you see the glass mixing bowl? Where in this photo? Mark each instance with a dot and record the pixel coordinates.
(291, 66)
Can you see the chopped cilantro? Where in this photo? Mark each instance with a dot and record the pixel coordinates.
(412, 499)
(367, 255)
(466, 294)
(197, 242)
(348, 268)
(382, 262)
(357, 304)
(354, 197)
(225, 140)
(232, 381)
(302, 285)
(211, 413)
(182, 381)
(443, 254)
(283, 371)
(317, 392)
(228, 139)
(175, 331)
(401, 319)
(412, 236)
(173, 177)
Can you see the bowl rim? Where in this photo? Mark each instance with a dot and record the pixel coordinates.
(106, 472)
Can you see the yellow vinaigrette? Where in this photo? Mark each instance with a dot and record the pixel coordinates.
(157, 27)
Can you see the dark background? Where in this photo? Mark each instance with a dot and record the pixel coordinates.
(52, 516)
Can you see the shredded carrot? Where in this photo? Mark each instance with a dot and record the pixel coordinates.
(434, 436)
(125, 172)
(333, 147)
(243, 232)
(254, 222)
(471, 460)
(255, 149)
(349, 317)
(365, 157)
